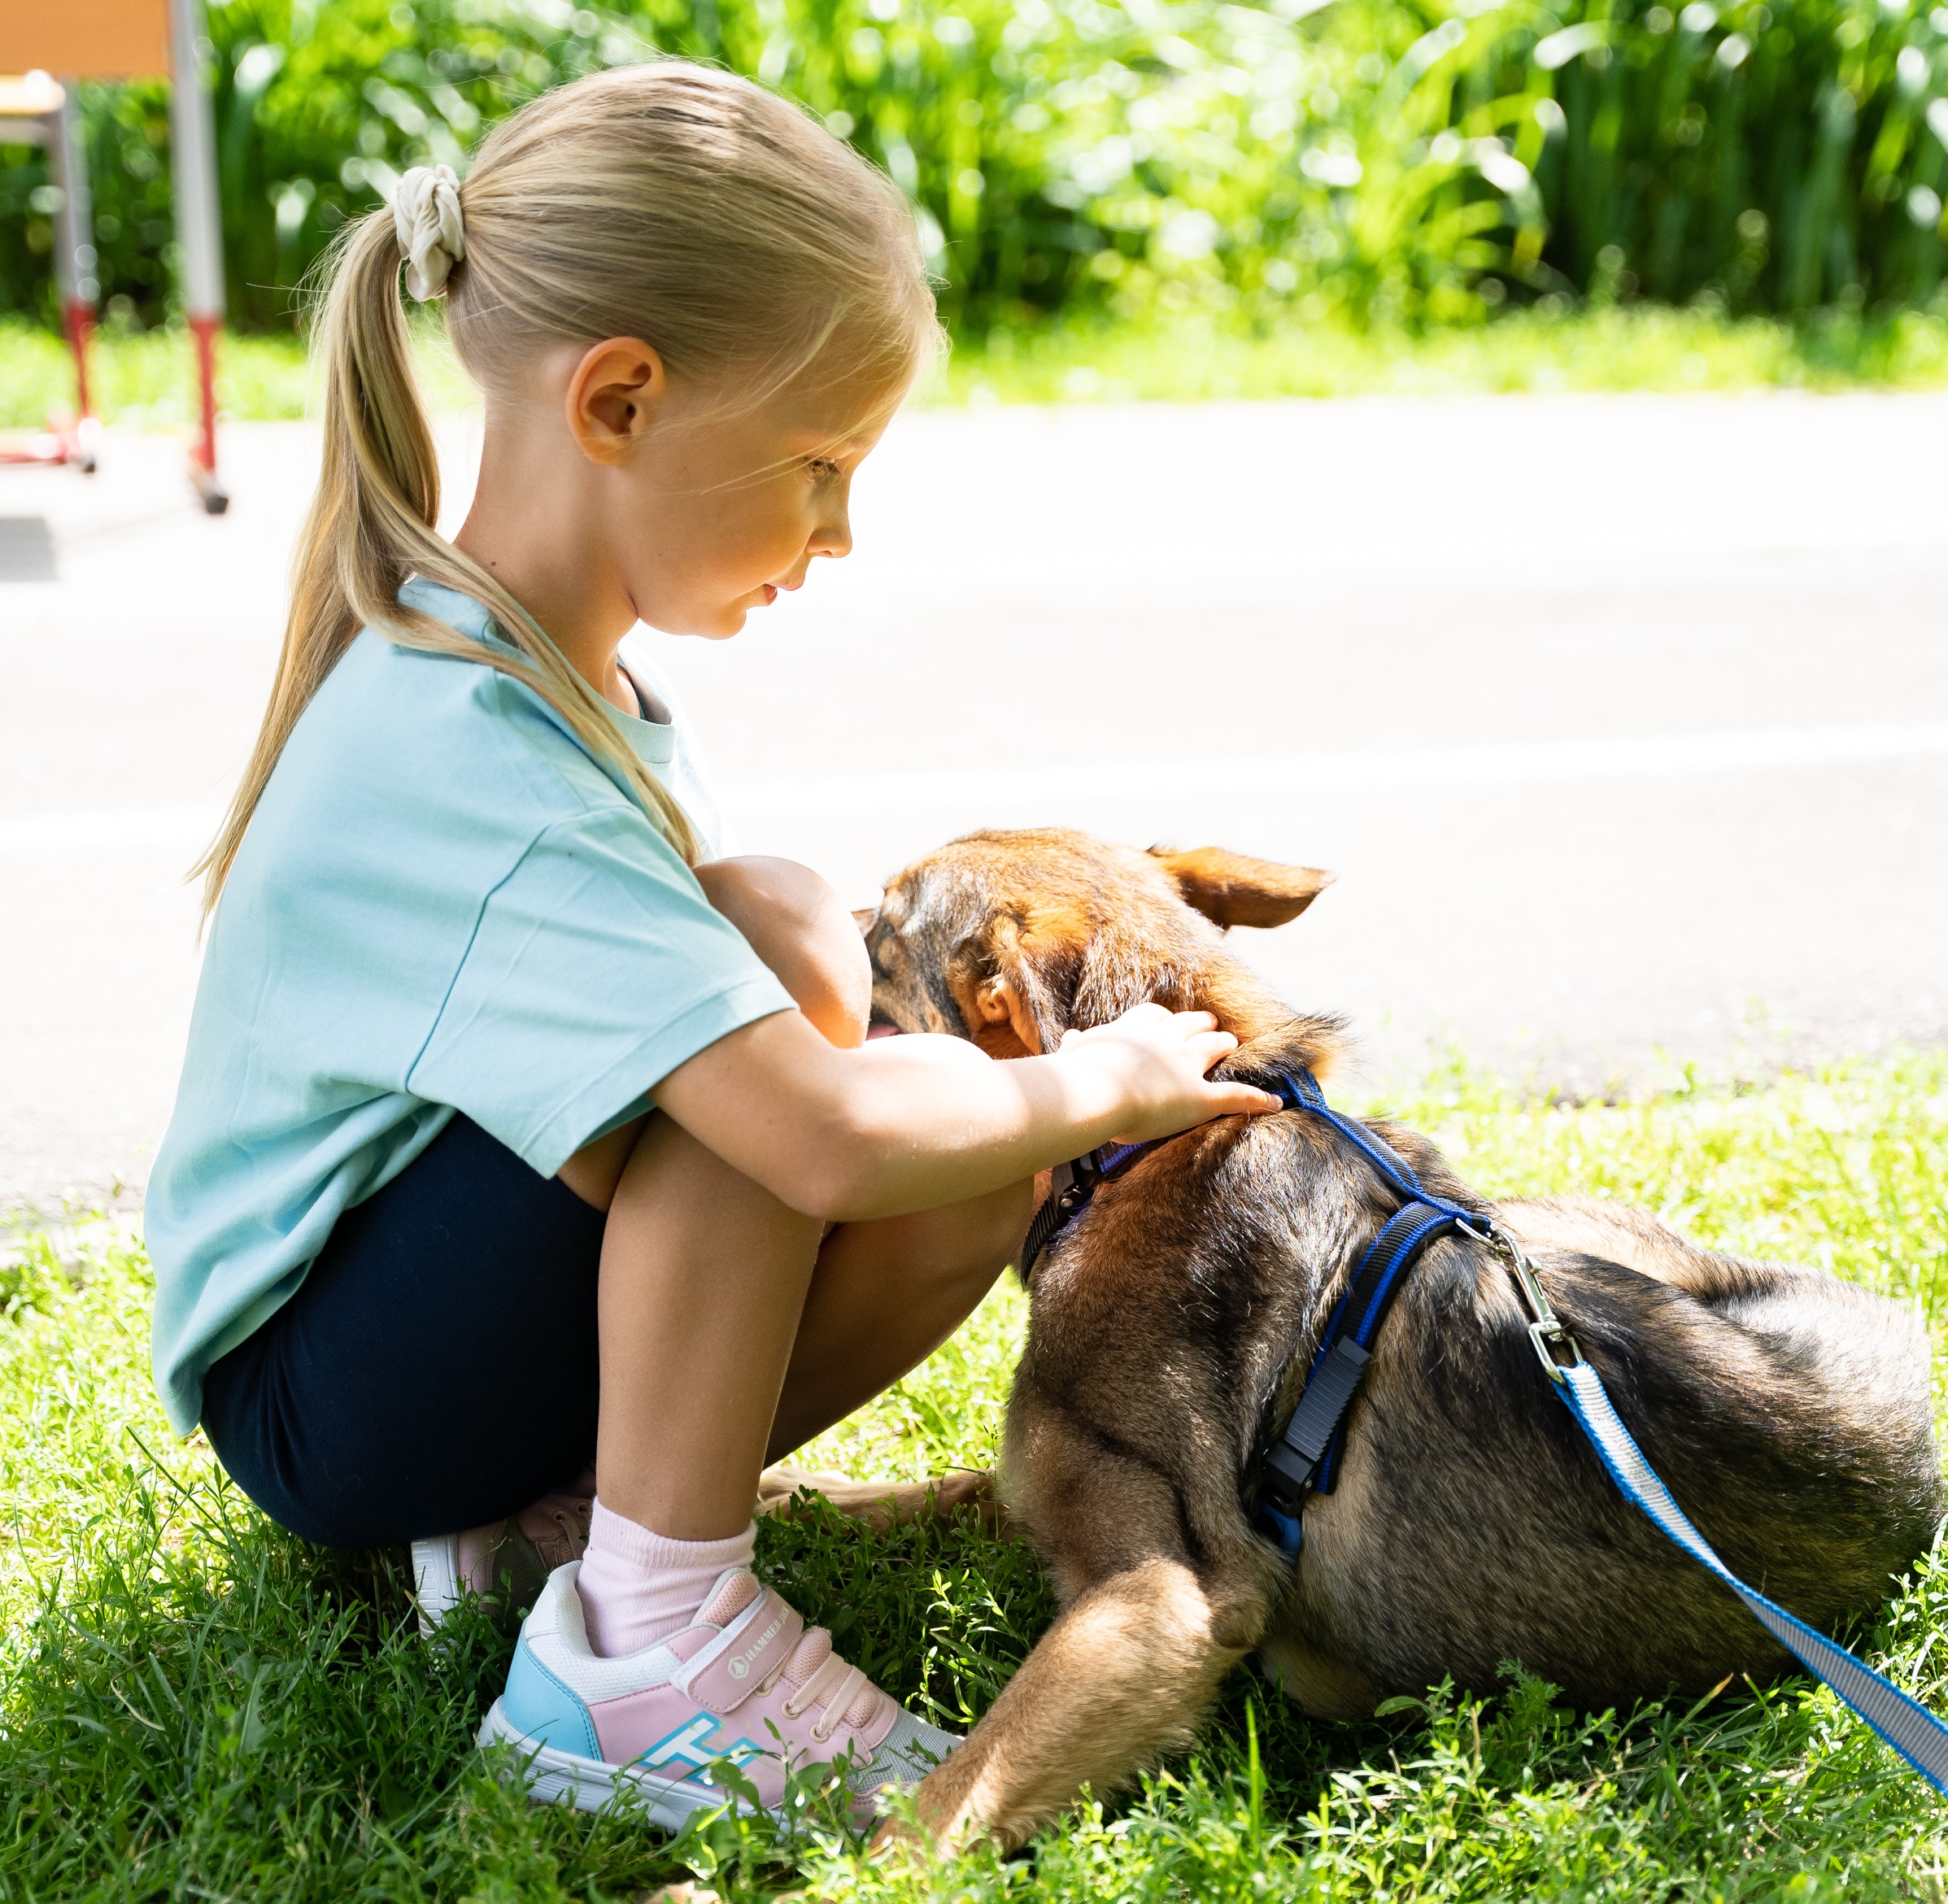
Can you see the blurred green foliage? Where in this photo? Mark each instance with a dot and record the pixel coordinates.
(1389, 160)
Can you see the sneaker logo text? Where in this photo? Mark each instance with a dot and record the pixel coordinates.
(738, 1664)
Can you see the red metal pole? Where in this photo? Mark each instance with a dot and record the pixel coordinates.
(204, 330)
(81, 328)
(198, 226)
(76, 263)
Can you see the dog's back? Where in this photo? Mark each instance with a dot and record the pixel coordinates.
(1788, 1412)
(1471, 1524)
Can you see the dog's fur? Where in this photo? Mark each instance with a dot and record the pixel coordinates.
(1472, 1525)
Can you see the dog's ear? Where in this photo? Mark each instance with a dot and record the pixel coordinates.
(1229, 889)
(1014, 986)
(865, 918)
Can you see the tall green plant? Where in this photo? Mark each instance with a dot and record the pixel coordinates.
(1401, 159)
(1778, 155)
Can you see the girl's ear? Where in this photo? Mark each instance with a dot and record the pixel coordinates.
(614, 395)
(1231, 889)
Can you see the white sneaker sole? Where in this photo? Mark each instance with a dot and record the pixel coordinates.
(435, 1584)
(556, 1777)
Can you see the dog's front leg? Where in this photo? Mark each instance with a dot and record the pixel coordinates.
(885, 1504)
(1123, 1675)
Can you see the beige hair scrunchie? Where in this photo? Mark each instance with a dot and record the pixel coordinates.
(425, 215)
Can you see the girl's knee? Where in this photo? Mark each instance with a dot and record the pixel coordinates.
(796, 923)
(766, 888)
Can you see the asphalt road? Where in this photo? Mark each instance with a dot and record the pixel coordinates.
(1623, 720)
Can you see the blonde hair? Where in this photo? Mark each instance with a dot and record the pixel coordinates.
(669, 202)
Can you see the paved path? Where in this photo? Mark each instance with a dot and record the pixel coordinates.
(1624, 721)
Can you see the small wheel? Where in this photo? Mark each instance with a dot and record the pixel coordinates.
(216, 497)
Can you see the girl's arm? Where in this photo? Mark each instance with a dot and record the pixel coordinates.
(914, 1122)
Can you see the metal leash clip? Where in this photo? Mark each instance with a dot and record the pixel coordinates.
(1545, 1333)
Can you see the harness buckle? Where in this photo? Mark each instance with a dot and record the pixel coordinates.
(1546, 1334)
(1541, 1335)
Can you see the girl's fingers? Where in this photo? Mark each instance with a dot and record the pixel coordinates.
(1243, 1099)
(1147, 1013)
(1150, 1012)
(1207, 1046)
(1189, 1024)
(1240, 1100)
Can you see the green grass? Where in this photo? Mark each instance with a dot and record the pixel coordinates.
(194, 1705)
(1640, 347)
(146, 380)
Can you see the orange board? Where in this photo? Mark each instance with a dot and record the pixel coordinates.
(94, 39)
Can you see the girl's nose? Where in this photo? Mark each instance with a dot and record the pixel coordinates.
(834, 535)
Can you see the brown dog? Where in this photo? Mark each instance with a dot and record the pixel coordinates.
(1172, 1324)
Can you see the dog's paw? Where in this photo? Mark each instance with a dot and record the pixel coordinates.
(885, 1504)
(895, 1840)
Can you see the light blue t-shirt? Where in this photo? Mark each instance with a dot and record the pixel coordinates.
(442, 903)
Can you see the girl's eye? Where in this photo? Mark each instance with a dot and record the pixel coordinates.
(823, 469)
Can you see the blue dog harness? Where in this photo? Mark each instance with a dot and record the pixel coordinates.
(1304, 1458)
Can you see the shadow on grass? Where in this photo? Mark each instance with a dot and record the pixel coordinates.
(219, 1710)
(194, 1704)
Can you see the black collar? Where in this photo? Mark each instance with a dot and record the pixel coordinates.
(1072, 1185)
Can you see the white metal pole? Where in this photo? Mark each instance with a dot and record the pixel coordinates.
(74, 224)
(199, 223)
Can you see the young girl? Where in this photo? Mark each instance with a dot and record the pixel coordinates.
(519, 1130)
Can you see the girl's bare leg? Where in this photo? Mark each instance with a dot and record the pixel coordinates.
(704, 1275)
(884, 1296)
(729, 1333)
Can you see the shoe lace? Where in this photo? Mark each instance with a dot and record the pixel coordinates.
(819, 1678)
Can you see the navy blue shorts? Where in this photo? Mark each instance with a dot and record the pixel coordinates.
(436, 1370)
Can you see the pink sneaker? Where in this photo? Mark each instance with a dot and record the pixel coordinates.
(505, 1564)
(746, 1682)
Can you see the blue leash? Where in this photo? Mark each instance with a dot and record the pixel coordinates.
(1904, 1722)
(1301, 1461)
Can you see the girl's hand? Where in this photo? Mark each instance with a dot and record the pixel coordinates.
(1156, 1060)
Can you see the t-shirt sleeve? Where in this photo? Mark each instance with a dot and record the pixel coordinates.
(596, 968)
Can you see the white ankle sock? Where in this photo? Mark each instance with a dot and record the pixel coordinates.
(638, 1588)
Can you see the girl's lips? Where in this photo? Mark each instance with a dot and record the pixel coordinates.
(770, 593)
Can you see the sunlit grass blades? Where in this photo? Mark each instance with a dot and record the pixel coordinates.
(192, 1703)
